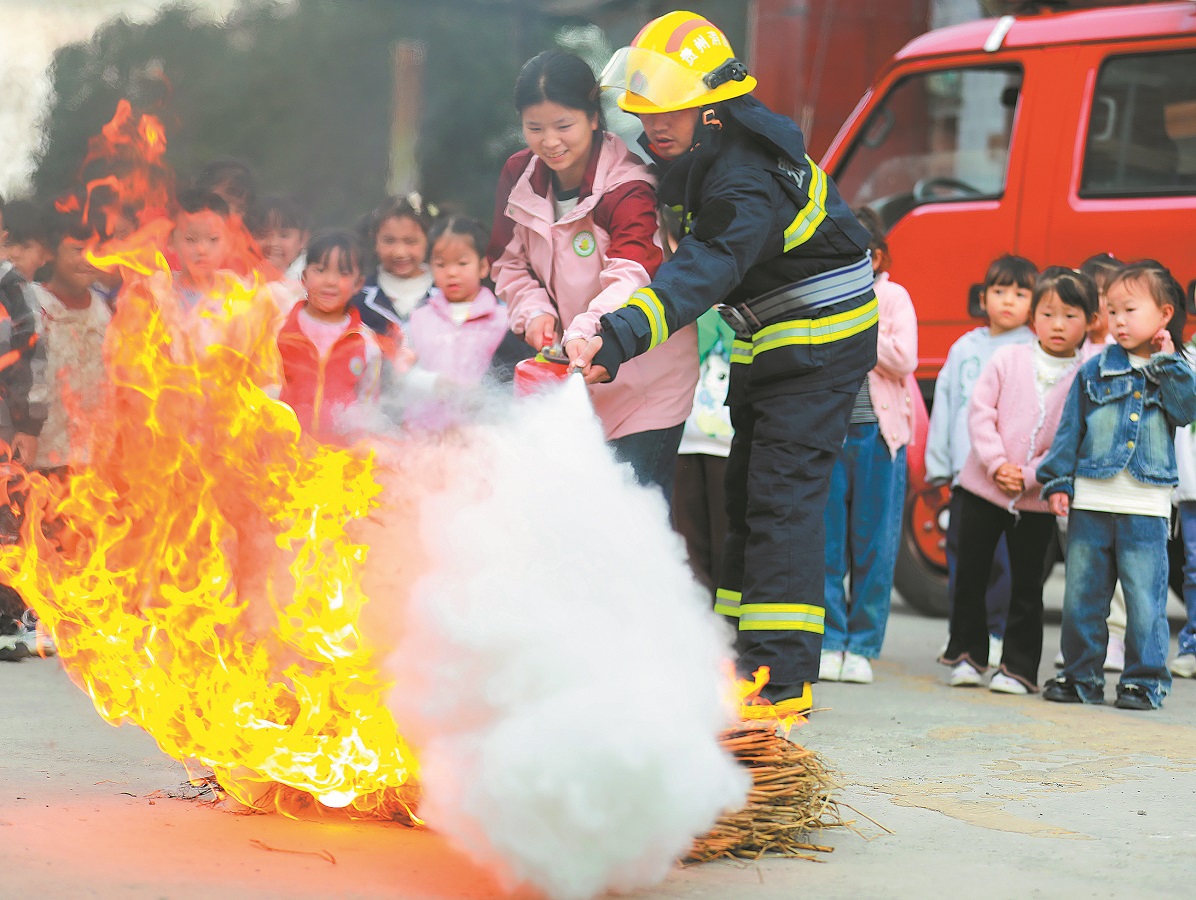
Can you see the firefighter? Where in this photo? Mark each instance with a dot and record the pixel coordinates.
(767, 239)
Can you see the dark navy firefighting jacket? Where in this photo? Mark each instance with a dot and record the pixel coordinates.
(756, 214)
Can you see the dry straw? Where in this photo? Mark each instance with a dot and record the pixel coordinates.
(791, 796)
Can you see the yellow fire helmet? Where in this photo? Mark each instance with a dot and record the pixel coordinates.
(677, 61)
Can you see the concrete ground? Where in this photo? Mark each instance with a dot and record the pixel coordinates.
(974, 794)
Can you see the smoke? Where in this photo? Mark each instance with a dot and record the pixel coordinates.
(31, 32)
(559, 670)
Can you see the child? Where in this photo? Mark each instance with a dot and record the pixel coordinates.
(455, 334)
(1014, 413)
(1184, 664)
(280, 228)
(74, 319)
(22, 354)
(863, 514)
(22, 415)
(1112, 468)
(1008, 285)
(1101, 269)
(330, 361)
(699, 509)
(397, 232)
(28, 243)
(233, 181)
(205, 304)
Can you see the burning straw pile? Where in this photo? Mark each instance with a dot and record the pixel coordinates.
(790, 797)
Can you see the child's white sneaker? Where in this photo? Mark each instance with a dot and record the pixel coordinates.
(1184, 665)
(1115, 654)
(965, 675)
(1003, 684)
(830, 665)
(996, 646)
(856, 669)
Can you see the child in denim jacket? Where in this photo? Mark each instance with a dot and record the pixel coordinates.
(1112, 466)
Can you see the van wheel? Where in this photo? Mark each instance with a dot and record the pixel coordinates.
(920, 575)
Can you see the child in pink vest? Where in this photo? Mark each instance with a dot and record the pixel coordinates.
(455, 333)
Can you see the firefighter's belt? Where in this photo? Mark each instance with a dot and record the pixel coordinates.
(798, 299)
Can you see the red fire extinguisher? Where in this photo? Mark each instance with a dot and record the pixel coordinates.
(549, 367)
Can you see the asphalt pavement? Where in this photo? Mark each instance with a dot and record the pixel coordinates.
(950, 791)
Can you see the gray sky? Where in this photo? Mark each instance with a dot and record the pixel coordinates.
(32, 30)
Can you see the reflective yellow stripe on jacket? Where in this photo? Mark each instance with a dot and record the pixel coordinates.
(726, 603)
(797, 332)
(646, 301)
(781, 617)
(802, 228)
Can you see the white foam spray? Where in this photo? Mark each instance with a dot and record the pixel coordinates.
(559, 669)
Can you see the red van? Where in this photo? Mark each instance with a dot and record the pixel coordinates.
(1054, 136)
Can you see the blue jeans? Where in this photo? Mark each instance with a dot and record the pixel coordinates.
(863, 527)
(1187, 530)
(652, 455)
(1102, 547)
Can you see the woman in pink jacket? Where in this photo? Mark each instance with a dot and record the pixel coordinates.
(863, 512)
(1012, 419)
(575, 234)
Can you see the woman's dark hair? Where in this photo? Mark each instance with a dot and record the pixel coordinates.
(563, 78)
(1011, 270)
(229, 177)
(460, 226)
(320, 247)
(1072, 287)
(1101, 269)
(1156, 279)
(277, 211)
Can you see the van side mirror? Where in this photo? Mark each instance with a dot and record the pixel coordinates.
(976, 301)
(1190, 297)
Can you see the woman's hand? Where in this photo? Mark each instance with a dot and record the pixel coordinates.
(541, 332)
(581, 353)
(1161, 342)
(1060, 504)
(1009, 479)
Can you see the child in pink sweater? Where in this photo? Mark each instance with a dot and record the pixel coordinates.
(1012, 419)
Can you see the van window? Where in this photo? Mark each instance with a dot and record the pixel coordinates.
(1142, 127)
(938, 136)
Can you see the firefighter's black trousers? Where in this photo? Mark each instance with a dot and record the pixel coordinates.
(778, 477)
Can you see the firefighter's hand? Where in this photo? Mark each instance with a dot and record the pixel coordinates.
(1009, 479)
(1060, 504)
(540, 332)
(24, 449)
(581, 353)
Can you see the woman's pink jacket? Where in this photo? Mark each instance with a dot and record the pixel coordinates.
(588, 264)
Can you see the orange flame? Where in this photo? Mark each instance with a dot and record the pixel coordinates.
(199, 576)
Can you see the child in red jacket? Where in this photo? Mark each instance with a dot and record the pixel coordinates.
(331, 362)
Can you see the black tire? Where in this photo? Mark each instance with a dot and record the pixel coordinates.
(921, 584)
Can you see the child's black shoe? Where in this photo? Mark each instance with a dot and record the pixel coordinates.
(1061, 690)
(1133, 696)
